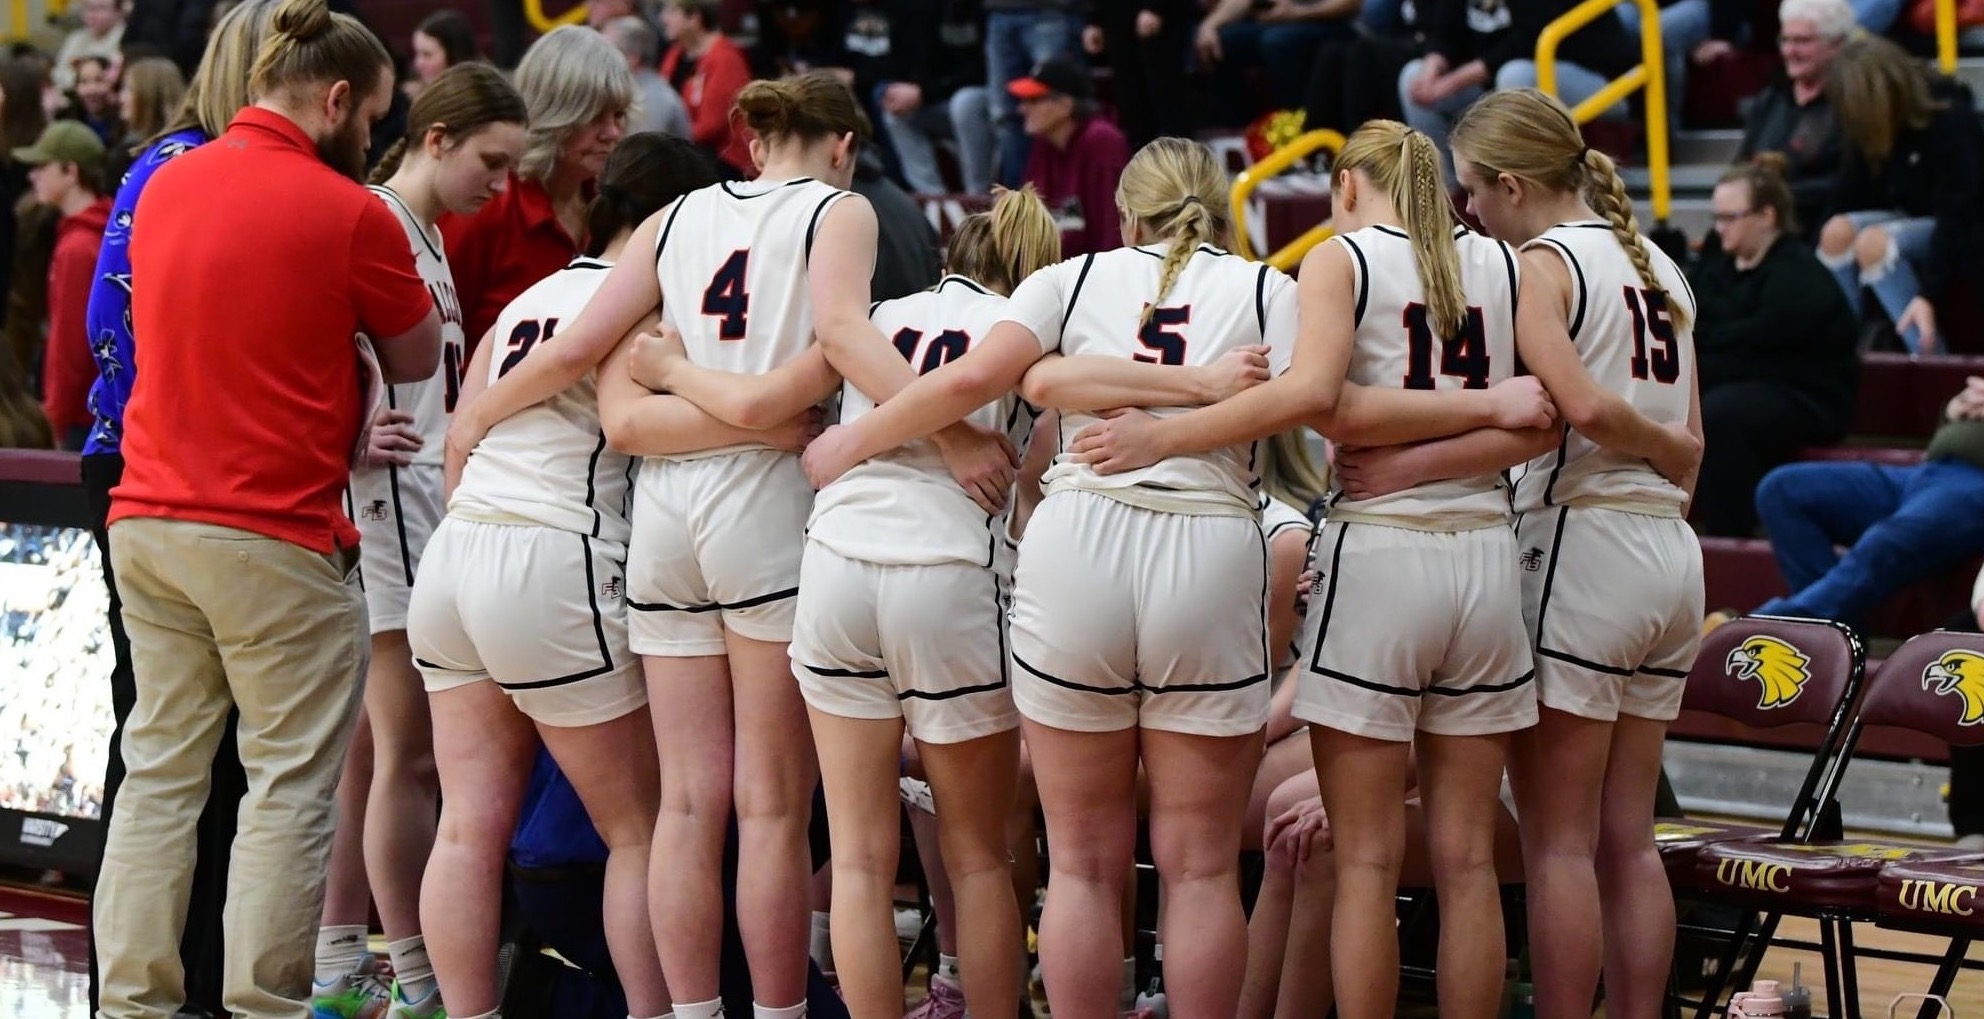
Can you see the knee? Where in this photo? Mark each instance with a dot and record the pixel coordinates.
(1101, 861)
(1871, 247)
(1186, 859)
(1516, 74)
(1779, 493)
(1317, 873)
(1463, 857)
(1836, 237)
(474, 829)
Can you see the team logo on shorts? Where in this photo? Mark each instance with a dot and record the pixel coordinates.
(1782, 670)
(611, 588)
(1532, 560)
(1959, 672)
(374, 510)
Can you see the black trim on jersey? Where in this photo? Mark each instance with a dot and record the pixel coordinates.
(592, 471)
(1112, 691)
(713, 606)
(399, 524)
(407, 211)
(966, 280)
(1583, 663)
(1550, 483)
(1515, 289)
(1203, 247)
(1261, 300)
(725, 185)
(1451, 691)
(576, 677)
(813, 225)
(589, 262)
(598, 629)
(872, 305)
(1584, 295)
(1588, 225)
(1329, 608)
(1267, 652)
(1088, 261)
(846, 673)
(945, 695)
(1665, 673)
(668, 226)
(1543, 606)
(1363, 279)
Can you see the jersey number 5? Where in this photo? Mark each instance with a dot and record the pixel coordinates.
(1663, 362)
(726, 298)
(1166, 346)
(948, 346)
(1463, 356)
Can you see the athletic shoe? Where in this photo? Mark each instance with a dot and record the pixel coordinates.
(356, 995)
(428, 1007)
(946, 1001)
(909, 923)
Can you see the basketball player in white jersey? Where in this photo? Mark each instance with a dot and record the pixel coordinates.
(1611, 572)
(1138, 623)
(463, 134)
(518, 620)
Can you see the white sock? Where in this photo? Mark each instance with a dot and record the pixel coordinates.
(1126, 995)
(788, 1012)
(821, 943)
(711, 1009)
(947, 967)
(339, 951)
(411, 970)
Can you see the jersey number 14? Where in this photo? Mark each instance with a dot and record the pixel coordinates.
(1463, 355)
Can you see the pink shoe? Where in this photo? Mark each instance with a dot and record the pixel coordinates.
(946, 1001)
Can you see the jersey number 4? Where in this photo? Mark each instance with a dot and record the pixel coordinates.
(946, 347)
(1463, 355)
(726, 299)
(1165, 346)
(523, 336)
(1663, 362)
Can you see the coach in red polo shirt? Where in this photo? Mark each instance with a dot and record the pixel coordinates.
(257, 259)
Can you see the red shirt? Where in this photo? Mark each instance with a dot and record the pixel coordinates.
(513, 241)
(1079, 184)
(256, 266)
(67, 369)
(710, 94)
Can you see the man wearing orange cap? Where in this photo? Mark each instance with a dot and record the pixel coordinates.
(1076, 157)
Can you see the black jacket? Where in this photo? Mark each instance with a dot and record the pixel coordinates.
(1936, 170)
(1498, 31)
(1808, 138)
(1783, 321)
(938, 44)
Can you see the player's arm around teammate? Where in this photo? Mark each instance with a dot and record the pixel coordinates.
(1614, 603)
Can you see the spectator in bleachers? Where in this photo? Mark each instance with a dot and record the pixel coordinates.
(1776, 345)
(1357, 80)
(657, 108)
(1899, 524)
(707, 71)
(147, 97)
(1792, 115)
(1021, 35)
(176, 28)
(1077, 155)
(1278, 38)
(443, 39)
(1691, 32)
(933, 90)
(906, 245)
(100, 35)
(578, 90)
(1477, 44)
(93, 100)
(21, 120)
(1905, 213)
(600, 12)
(67, 175)
(1144, 43)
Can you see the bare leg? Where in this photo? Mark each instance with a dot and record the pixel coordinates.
(1268, 927)
(776, 771)
(1198, 794)
(1459, 780)
(1363, 789)
(405, 796)
(347, 895)
(1087, 783)
(973, 782)
(858, 764)
(1558, 770)
(1632, 884)
(685, 868)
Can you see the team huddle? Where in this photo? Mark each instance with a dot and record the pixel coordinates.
(626, 528)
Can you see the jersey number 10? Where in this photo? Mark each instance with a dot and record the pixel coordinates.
(946, 347)
(1463, 355)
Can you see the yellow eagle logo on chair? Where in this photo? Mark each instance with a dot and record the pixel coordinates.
(1959, 672)
(1782, 670)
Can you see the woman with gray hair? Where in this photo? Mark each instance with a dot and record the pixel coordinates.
(578, 90)
(1791, 115)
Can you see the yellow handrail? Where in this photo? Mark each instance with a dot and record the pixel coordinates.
(1651, 74)
(1946, 35)
(1281, 159)
(534, 13)
(17, 28)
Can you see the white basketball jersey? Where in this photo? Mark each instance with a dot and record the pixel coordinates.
(430, 401)
(549, 464)
(732, 263)
(1397, 346)
(1094, 305)
(904, 508)
(1632, 347)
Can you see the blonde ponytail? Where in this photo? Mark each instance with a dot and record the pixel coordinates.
(1607, 193)
(1405, 165)
(1288, 473)
(1175, 188)
(999, 248)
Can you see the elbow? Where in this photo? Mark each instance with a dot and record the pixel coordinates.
(1037, 388)
(617, 422)
(757, 414)
(963, 380)
(1588, 416)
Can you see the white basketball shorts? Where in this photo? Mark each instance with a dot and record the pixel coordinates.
(1614, 605)
(1127, 617)
(1414, 631)
(536, 610)
(396, 510)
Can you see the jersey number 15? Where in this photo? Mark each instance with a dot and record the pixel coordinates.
(1650, 318)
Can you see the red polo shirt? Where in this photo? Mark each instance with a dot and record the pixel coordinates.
(256, 266)
(513, 241)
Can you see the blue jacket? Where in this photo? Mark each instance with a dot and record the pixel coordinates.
(109, 318)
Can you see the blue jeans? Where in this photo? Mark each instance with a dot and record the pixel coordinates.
(1574, 84)
(1437, 120)
(1876, 16)
(1894, 284)
(1014, 42)
(965, 118)
(1900, 525)
(1683, 26)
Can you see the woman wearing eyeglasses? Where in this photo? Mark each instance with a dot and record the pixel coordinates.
(1775, 343)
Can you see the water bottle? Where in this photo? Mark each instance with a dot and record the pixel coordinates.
(1798, 1000)
(1763, 1002)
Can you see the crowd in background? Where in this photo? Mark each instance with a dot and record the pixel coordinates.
(54, 731)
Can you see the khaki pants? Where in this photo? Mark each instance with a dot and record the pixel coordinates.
(218, 618)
